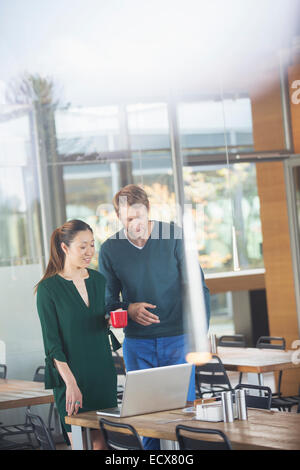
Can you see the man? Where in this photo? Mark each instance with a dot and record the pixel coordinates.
(144, 262)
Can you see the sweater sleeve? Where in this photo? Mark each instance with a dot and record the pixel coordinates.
(52, 340)
(179, 253)
(113, 284)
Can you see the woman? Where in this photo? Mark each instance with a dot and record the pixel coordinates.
(70, 303)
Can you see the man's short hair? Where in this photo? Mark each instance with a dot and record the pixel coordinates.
(134, 194)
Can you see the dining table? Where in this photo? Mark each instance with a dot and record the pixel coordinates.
(19, 393)
(256, 362)
(263, 430)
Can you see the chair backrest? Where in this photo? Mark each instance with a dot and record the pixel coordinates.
(232, 341)
(262, 401)
(213, 374)
(184, 435)
(39, 375)
(117, 440)
(40, 431)
(264, 342)
(3, 371)
(119, 364)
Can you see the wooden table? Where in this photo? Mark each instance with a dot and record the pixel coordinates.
(255, 360)
(19, 393)
(264, 429)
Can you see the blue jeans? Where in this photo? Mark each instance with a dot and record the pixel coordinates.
(140, 353)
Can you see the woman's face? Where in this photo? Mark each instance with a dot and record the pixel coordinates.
(81, 250)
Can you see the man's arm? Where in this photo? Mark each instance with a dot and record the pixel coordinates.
(113, 285)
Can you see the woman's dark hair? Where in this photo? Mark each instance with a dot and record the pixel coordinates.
(64, 234)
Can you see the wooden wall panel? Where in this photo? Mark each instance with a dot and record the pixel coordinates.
(279, 277)
(268, 133)
(294, 74)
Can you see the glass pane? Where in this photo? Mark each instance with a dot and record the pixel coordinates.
(215, 205)
(221, 319)
(20, 234)
(87, 133)
(202, 126)
(89, 190)
(148, 128)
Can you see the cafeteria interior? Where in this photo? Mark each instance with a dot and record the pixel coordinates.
(196, 102)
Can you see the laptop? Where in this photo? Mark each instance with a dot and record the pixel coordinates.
(150, 390)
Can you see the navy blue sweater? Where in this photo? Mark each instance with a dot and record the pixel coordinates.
(153, 274)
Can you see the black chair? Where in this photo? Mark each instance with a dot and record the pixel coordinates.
(39, 376)
(9, 445)
(233, 341)
(121, 371)
(3, 371)
(265, 342)
(117, 440)
(41, 432)
(278, 401)
(262, 401)
(212, 375)
(186, 442)
(26, 428)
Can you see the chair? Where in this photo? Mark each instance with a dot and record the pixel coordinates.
(213, 374)
(9, 445)
(41, 432)
(186, 442)
(3, 371)
(262, 401)
(265, 342)
(233, 341)
(117, 440)
(121, 371)
(26, 428)
(279, 402)
(39, 376)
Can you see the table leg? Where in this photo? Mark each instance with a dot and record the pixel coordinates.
(168, 445)
(77, 437)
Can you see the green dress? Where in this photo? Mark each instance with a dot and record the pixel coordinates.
(78, 335)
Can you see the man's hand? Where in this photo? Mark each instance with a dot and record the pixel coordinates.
(139, 313)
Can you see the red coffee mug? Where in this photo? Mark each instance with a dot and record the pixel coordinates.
(119, 318)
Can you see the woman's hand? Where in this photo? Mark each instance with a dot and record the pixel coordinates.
(73, 399)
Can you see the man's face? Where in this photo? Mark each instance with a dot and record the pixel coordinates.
(135, 220)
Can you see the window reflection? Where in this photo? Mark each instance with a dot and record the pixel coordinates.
(20, 234)
(206, 189)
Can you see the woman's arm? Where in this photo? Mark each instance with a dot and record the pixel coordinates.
(57, 369)
(73, 394)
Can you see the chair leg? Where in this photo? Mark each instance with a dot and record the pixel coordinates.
(260, 384)
(279, 383)
(50, 415)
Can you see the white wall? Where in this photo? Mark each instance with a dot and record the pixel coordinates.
(20, 329)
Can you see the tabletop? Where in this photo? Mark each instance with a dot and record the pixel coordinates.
(264, 429)
(19, 393)
(256, 360)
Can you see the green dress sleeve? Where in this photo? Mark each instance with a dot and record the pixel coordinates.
(52, 341)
